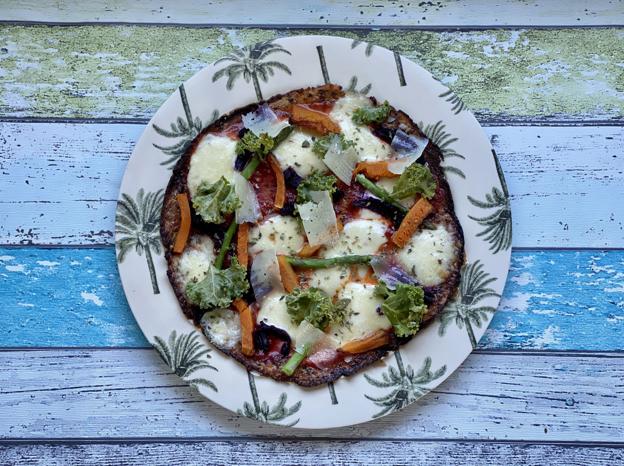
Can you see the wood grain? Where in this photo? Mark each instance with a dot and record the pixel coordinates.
(313, 453)
(59, 182)
(324, 12)
(128, 71)
(130, 394)
(563, 300)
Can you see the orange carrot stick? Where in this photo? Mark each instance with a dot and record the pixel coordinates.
(242, 243)
(370, 342)
(375, 170)
(419, 211)
(247, 326)
(280, 192)
(309, 251)
(313, 119)
(185, 223)
(289, 277)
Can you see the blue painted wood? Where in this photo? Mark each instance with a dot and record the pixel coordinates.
(72, 297)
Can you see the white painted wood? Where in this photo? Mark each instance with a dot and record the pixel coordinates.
(129, 393)
(312, 453)
(59, 182)
(324, 12)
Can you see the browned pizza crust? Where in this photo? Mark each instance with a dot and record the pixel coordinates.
(308, 375)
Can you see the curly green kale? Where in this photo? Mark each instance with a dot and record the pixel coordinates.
(321, 145)
(415, 179)
(368, 115)
(219, 287)
(315, 182)
(316, 307)
(261, 145)
(404, 307)
(213, 201)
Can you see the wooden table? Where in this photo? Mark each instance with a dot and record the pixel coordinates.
(78, 381)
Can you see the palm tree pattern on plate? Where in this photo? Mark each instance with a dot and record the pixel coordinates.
(185, 355)
(250, 63)
(455, 100)
(185, 129)
(261, 411)
(137, 227)
(369, 47)
(437, 134)
(497, 225)
(466, 310)
(407, 386)
(353, 86)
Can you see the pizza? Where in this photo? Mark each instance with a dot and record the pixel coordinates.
(310, 234)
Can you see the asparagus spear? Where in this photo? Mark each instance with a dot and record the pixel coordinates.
(380, 192)
(318, 263)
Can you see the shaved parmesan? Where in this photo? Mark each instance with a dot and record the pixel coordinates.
(249, 210)
(265, 275)
(409, 148)
(319, 219)
(341, 162)
(264, 120)
(388, 270)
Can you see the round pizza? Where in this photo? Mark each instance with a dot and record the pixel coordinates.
(310, 234)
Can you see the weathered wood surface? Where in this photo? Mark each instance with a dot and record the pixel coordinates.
(129, 394)
(128, 71)
(563, 300)
(311, 452)
(59, 182)
(324, 12)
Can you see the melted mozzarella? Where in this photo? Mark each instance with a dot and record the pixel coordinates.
(281, 233)
(292, 153)
(428, 255)
(367, 145)
(222, 326)
(213, 158)
(329, 280)
(196, 258)
(359, 237)
(362, 310)
(273, 312)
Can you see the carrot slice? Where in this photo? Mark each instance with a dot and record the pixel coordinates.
(247, 326)
(309, 251)
(375, 170)
(185, 223)
(419, 211)
(311, 119)
(242, 242)
(370, 342)
(280, 192)
(289, 277)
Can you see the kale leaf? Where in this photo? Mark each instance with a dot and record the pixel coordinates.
(368, 115)
(416, 178)
(404, 307)
(213, 201)
(219, 287)
(315, 182)
(321, 145)
(316, 307)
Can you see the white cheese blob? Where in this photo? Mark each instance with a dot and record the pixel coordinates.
(281, 233)
(213, 158)
(222, 326)
(428, 255)
(367, 145)
(364, 311)
(329, 280)
(196, 258)
(296, 152)
(359, 237)
(273, 312)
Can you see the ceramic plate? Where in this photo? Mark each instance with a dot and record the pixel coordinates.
(260, 71)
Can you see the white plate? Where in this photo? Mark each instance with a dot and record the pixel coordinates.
(481, 203)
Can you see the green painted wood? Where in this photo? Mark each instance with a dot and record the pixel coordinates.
(127, 71)
(562, 300)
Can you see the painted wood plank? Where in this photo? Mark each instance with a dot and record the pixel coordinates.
(324, 12)
(312, 453)
(558, 300)
(129, 394)
(128, 71)
(59, 182)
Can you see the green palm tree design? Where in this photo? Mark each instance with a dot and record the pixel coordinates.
(185, 355)
(249, 63)
(437, 134)
(465, 310)
(185, 130)
(407, 385)
(353, 86)
(497, 226)
(332, 393)
(369, 47)
(261, 411)
(137, 226)
(458, 104)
